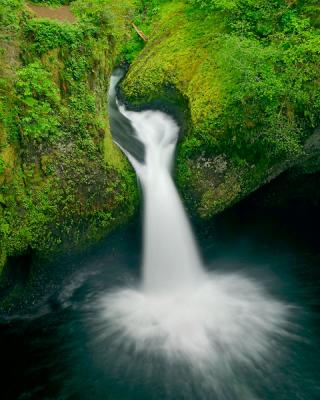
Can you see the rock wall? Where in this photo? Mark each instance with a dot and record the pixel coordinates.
(63, 183)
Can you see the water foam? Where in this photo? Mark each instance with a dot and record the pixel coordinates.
(227, 318)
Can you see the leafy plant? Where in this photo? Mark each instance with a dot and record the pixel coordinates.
(45, 35)
(37, 102)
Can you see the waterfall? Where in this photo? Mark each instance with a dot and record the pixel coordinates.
(211, 321)
(171, 259)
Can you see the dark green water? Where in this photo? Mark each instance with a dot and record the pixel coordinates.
(49, 347)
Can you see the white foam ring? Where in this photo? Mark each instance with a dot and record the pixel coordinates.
(226, 318)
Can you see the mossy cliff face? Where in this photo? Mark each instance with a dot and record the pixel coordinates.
(245, 75)
(62, 181)
(249, 74)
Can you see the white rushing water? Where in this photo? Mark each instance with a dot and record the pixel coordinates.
(211, 321)
(171, 259)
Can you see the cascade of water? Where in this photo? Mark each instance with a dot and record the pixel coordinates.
(208, 320)
(171, 259)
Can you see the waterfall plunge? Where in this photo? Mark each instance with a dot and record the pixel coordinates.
(171, 260)
(212, 322)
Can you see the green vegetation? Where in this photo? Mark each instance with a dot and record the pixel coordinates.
(37, 103)
(62, 181)
(46, 35)
(145, 10)
(245, 70)
(2, 166)
(249, 72)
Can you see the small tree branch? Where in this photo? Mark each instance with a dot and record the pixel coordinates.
(139, 32)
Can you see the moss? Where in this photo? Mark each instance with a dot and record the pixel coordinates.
(112, 154)
(3, 260)
(63, 183)
(248, 102)
(214, 200)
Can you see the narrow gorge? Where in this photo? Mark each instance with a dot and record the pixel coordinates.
(159, 199)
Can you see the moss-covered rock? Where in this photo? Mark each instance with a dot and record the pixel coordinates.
(249, 76)
(63, 183)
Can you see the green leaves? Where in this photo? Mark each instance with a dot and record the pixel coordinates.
(215, 5)
(48, 34)
(37, 103)
(260, 18)
(268, 58)
(271, 94)
(34, 80)
(8, 14)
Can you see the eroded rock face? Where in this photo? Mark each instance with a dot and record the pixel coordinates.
(216, 184)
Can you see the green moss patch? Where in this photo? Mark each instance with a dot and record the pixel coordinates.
(249, 74)
(63, 184)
